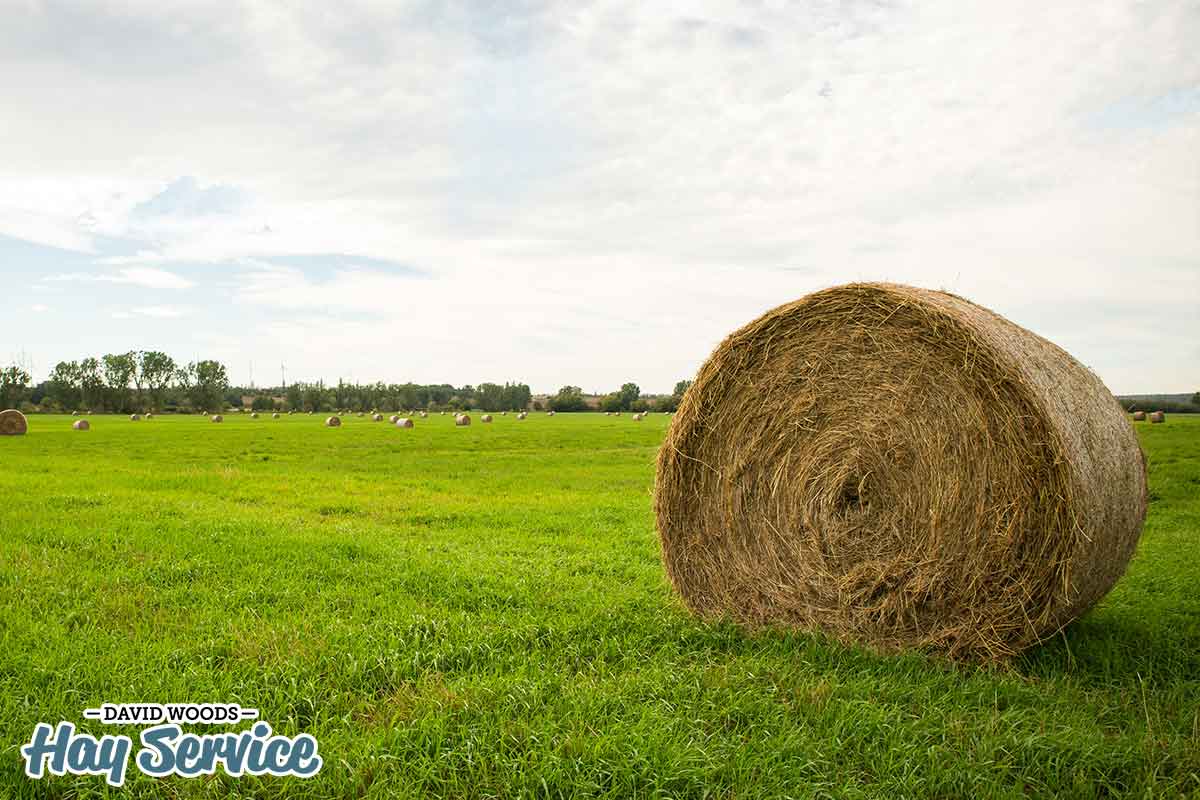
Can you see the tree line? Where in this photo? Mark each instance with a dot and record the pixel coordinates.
(150, 380)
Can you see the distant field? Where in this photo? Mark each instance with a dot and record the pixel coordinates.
(481, 612)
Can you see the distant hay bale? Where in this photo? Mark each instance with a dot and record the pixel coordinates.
(81, 425)
(377, 417)
(521, 415)
(898, 467)
(254, 415)
(403, 422)
(443, 413)
(74, 413)
(504, 413)
(149, 415)
(275, 415)
(333, 422)
(616, 413)
(13, 423)
(637, 417)
(1139, 416)
(393, 418)
(549, 413)
(462, 420)
(486, 418)
(423, 415)
(1157, 416)
(134, 417)
(217, 418)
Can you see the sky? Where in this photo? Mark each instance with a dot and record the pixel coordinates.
(587, 193)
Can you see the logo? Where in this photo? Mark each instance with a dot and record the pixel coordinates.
(166, 749)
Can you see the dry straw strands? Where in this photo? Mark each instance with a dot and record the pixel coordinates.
(1139, 416)
(81, 425)
(462, 420)
(1157, 416)
(333, 422)
(815, 476)
(13, 423)
(403, 422)
(217, 418)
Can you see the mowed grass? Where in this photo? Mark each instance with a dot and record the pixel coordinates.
(482, 612)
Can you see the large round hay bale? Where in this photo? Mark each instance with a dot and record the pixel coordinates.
(1139, 416)
(898, 467)
(403, 422)
(486, 418)
(549, 413)
(134, 417)
(81, 425)
(377, 417)
(462, 420)
(13, 423)
(521, 415)
(217, 418)
(392, 419)
(1157, 416)
(333, 422)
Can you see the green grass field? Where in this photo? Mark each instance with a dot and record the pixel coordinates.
(481, 612)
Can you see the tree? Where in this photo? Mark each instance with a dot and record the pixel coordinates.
(91, 383)
(119, 369)
(155, 370)
(629, 393)
(681, 387)
(211, 383)
(14, 385)
(610, 402)
(65, 386)
(1196, 399)
(569, 398)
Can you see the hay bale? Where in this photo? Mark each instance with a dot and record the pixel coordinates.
(521, 415)
(424, 415)
(74, 413)
(813, 476)
(462, 420)
(504, 413)
(392, 419)
(149, 415)
(254, 415)
(275, 415)
(134, 417)
(403, 422)
(486, 418)
(1139, 416)
(81, 425)
(333, 422)
(217, 418)
(13, 423)
(549, 413)
(1157, 416)
(377, 417)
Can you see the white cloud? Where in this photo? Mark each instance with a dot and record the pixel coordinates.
(580, 179)
(157, 312)
(144, 277)
(38, 308)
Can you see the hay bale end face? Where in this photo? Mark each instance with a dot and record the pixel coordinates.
(333, 422)
(13, 423)
(811, 476)
(486, 418)
(217, 418)
(462, 420)
(403, 422)
(81, 425)
(1139, 416)
(1157, 417)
